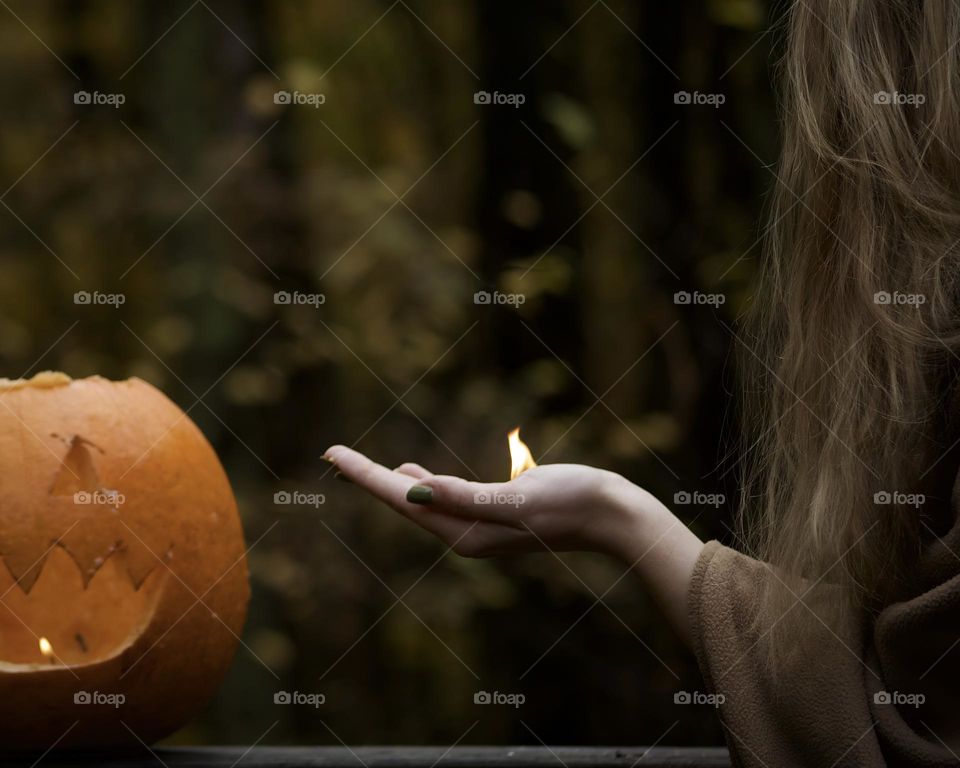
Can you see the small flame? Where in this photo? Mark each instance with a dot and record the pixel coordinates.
(46, 649)
(520, 457)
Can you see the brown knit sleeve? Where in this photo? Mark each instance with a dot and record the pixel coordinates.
(815, 716)
(842, 699)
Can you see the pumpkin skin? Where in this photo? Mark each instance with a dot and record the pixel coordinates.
(121, 545)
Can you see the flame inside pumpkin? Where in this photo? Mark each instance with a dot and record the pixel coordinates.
(46, 649)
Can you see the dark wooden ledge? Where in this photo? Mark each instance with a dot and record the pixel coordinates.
(397, 757)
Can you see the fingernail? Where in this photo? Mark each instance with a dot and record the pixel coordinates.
(420, 494)
(338, 475)
(328, 459)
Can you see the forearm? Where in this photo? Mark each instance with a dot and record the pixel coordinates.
(649, 539)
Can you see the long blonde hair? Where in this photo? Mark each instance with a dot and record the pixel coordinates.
(854, 327)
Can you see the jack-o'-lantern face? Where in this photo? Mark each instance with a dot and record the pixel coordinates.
(125, 584)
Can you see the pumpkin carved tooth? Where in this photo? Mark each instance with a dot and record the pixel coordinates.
(115, 515)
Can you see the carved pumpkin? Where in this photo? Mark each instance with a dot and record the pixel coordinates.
(124, 587)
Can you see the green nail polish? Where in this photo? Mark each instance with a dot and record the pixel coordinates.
(420, 494)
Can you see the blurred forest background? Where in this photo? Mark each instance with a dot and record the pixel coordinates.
(398, 199)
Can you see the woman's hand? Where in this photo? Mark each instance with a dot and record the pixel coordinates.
(560, 507)
(557, 506)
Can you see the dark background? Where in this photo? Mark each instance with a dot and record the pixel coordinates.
(599, 364)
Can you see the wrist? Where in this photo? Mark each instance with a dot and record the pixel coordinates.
(647, 538)
(630, 519)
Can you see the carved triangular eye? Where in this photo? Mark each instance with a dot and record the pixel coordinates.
(77, 472)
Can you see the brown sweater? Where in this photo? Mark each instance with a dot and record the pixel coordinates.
(829, 707)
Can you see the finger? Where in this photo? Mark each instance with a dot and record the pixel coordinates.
(491, 502)
(391, 487)
(468, 537)
(385, 484)
(413, 470)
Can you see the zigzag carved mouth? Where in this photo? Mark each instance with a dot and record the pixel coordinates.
(84, 624)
